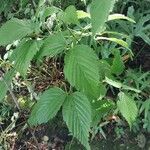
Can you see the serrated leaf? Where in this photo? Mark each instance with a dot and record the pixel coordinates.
(70, 15)
(14, 29)
(77, 115)
(81, 69)
(5, 83)
(52, 46)
(23, 55)
(47, 106)
(118, 64)
(127, 107)
(99, 11)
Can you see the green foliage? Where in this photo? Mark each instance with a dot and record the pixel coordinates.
(146, 108)
(119, 85)
(118, 65)
(140, 13)
(23, 55)
(70, 15)
(81, 69)
(47, 106)
(101, 108)
(120, 16)
(116, 40)
(5, 5)
(91, 48)
(5, 83)
(52, 46)
(99, 14)
(77, 115)
(127, 107)
(76, 112)
(142, 27)
(16, 28)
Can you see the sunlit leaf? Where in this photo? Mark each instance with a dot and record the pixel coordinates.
(120, 16)
(15, 29)
(99, 11)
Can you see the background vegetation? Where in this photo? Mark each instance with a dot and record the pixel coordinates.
(74, 74)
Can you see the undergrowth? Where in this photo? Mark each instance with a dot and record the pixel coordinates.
(75, 58)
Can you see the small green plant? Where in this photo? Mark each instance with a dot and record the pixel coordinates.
(77, 36)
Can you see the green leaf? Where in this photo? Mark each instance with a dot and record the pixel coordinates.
(118, 41)
(101, 108)
(81, 14)
(113, 83)
(125, 87)
(120, 16)
(14, 29)
(70, 15)
(142, 28)
(47, 106)
(105, 69)
(81, 69)
(99, 11)
(46, 12)
(127, 107)
(23, 55)
(77, 115)
(121, 35)
(52, 46)
(119, 85)
(5, 83)
(118, 64)
(101, 91)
